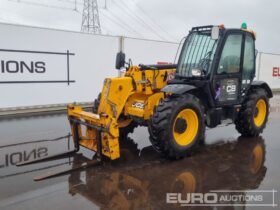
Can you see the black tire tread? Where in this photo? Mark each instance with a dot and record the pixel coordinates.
(161, 119)
(244, 121)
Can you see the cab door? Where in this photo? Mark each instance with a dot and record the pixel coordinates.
(228, 75)
(249, 64)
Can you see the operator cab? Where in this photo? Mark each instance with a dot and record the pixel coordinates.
(220, 60)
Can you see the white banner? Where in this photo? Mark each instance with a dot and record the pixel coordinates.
(43, 67)
(269, 69)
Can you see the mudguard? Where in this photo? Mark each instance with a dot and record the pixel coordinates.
(264, 85)
(178, 88)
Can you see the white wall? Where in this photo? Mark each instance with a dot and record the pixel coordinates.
(269, 69)
(91, 59)
(94, 60)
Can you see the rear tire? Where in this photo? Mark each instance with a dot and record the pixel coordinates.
(252, 117)
(177, 126)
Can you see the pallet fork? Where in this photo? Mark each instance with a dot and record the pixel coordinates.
(75, 125)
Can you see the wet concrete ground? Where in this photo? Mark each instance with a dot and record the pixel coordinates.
(141, 178)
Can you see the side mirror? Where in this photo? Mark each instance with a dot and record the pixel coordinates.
(120, 60)
(215, 32)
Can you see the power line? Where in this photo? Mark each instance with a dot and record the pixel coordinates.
(90, 16)
(74, 2)
(139, 19)
(108, 31)
(40, 4)
(143, 22)
(90, 19)
(151, 19)
(122, 25)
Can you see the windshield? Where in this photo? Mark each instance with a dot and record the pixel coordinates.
(197, 53)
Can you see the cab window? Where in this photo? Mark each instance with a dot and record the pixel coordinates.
(230, 57)
(249, 58)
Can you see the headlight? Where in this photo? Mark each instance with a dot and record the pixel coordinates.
(196, 72)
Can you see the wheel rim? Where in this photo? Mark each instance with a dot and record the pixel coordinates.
(260, 113)
(186, 135)
(184, 183)
(257, 159)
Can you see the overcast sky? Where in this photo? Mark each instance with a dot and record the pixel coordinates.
(154, 19)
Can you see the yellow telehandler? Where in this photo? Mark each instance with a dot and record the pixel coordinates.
(212, 81)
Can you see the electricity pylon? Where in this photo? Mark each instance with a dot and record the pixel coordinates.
(90, 20)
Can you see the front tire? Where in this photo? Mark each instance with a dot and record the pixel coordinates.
(252, 117)
(177, 126)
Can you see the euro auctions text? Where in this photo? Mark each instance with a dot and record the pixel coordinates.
(224, 198)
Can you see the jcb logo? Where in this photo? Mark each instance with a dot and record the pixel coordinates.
(231, 88)
(138, 105)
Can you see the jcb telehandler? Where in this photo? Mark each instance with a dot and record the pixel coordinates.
(212, 81)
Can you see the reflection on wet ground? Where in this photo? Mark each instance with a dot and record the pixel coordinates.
(141, 178)
(141, 182)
